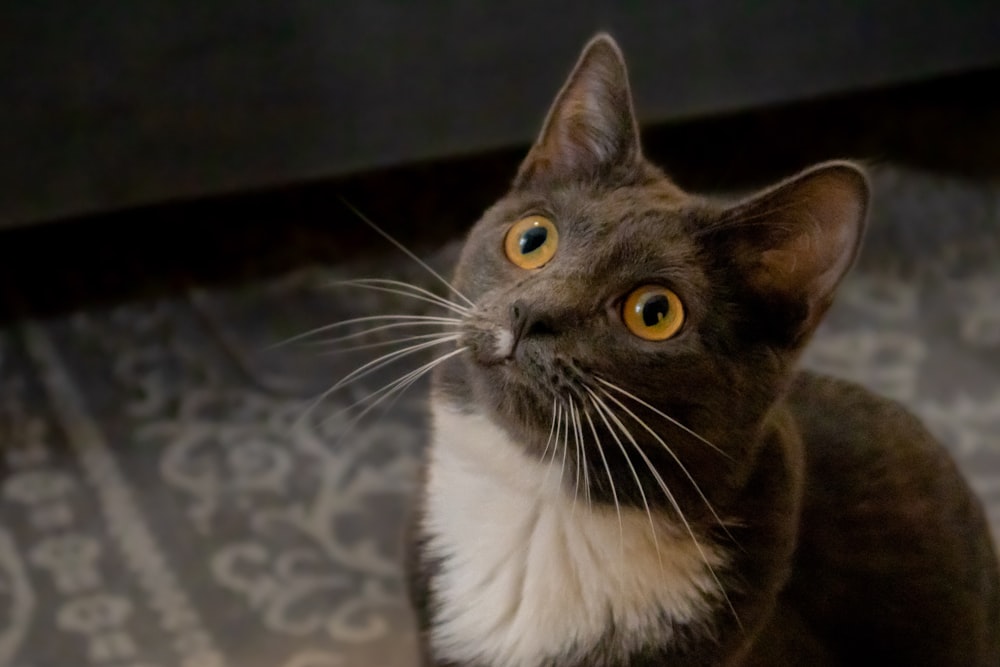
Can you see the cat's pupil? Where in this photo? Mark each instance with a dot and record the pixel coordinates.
(655, 310)
(533, 239)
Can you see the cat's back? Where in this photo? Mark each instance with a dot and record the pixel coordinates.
(895, 564)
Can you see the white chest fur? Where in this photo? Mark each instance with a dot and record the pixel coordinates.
(529, 574)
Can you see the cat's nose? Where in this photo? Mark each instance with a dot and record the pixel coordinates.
(527, 320)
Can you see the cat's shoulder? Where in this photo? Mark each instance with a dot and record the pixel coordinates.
(864, 451)
(885, 509)
(873, 467)
(832, 410)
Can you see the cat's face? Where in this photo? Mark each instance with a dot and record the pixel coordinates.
(608, 302)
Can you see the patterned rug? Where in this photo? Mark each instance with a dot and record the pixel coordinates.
(173, 494)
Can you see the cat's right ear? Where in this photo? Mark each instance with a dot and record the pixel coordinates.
(591, 128)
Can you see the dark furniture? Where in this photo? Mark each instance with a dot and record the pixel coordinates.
(112, 106)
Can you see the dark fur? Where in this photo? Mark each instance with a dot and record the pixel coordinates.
(853, 538)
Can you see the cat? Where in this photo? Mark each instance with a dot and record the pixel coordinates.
(626, 465)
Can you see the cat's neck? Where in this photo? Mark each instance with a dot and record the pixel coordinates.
(535, 570)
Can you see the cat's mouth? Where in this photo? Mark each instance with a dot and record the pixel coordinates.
(526, 364)
(490, 344)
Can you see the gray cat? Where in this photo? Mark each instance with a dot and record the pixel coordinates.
(627, 467)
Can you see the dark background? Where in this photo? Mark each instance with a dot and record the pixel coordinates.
(167, 142)
(112, 106)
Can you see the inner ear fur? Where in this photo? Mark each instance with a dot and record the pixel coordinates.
(795, 241)
(591, 128)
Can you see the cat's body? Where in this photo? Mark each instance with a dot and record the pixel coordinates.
(626, 468)
(894, 564)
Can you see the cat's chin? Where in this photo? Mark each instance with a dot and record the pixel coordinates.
(515, 403)
(472, 383)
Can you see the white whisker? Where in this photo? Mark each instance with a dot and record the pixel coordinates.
(611, 481)
(576, 449)
(583, 454)
(406, 250)
(398, 385)
(562, 470)
(401, 320)
(604, 412)
(662, 414)
(358, 374)
(680, 513)
(676, 460)
(381, 362)
(548, 441)
(372, 330)
(384, 343)
(555, 441)
(411, 291)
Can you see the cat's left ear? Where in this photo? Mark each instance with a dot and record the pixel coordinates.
(794, 242)
(591, 128)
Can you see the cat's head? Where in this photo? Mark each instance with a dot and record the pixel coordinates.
(601, 288)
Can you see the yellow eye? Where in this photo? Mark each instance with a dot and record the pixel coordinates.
(653, 313)
(531, 242)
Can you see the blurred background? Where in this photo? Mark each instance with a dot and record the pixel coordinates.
(172, 493)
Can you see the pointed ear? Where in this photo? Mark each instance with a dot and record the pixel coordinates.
(591, 127)
(794, 242)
